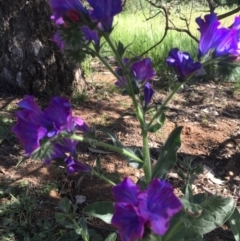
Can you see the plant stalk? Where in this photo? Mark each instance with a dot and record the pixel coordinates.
(147, 168)
(121, 151)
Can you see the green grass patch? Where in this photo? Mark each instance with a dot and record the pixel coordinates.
(141, 34)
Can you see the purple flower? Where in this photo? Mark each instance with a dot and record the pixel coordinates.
(75, 166)
(182, 63)
(67, 9)
(158, 204)
(33, 124)
(29, 134)
(136, 211)
(126, 192)
(60, 150)
(104, 11)
(148, 93)
(127, 219)
(90, 35)
(65, 149)
(143, 69)
(223, 41)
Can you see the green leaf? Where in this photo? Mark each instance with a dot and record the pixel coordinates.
(98, 164)
(84, 228)
(102, 210)
(160, 122)
(111, 237)
(65, 205)
(115, 141)
(60, 217)
(234, 221)
(152, 237)
(198, 238)
(137, 152)
(191, 209)
(121, 49)
(168, 156)
(154, 128)
(188, 193)
(94, 236)
(216, 211)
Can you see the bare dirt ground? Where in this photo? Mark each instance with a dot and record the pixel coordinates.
(209, 113)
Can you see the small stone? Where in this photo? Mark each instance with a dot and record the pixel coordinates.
(231, 173)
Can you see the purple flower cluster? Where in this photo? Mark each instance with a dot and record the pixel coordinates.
(182, 63)
(138, 211)
(34, 125)
(223, 41)
(141, 73)
(90, 21)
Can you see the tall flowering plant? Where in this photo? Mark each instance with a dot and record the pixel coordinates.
(148, 209)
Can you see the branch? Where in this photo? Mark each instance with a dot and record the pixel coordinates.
(187, 31)
(124, 3)
(225, 15)
(212, 6)
(184, 31)
(166, 27)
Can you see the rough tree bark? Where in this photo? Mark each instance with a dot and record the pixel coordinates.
(30, 62)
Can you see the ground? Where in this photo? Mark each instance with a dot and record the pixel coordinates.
(208, 112)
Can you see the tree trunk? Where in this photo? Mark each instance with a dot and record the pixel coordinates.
(30, 62)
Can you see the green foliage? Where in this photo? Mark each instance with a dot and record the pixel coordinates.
(146, 34)
(79, 98)
(102, 210)
(201, 216)
(168, 155)
(234, 222)
(111, 237)
(17, 216)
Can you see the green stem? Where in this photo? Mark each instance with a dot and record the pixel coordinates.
(121, 151)
(103, 178)
(160, 110)
(110, 69)
(129, 85)
(119, 59)
(79, 229)
(173, 230)
(146, 158)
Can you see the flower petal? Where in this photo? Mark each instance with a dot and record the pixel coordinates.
(143, 69)
(158, 204)
(127, 220)
(60, 113)
(29, 135)
(126, 192)
(90, 35)
(182, 63)
(75, 166)
(223, 40)
(148, 93)
(104, 11)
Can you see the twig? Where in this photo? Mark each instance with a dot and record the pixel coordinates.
(212, 6)
(166, 27)
(225, 15)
